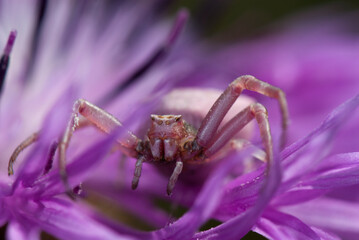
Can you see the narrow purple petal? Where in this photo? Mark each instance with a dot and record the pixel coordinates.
(53, 126)
(325, 235)
(292, 226)
(338, 161)
(123, 230)
(65, 220)
(79, 168)
(269, 229)
(238, 226)
(307, 153)
(336, 171)
(297, 195)
(342, 170)
(332, 121)
(4, 217)
(5, 58)
(5, 189)
(273, 230)
(137, 203)
(204, 205)
(18, 231)
(284, 226)
(10, 43)
(240, 194)
(181, 20)
(153, 59)
(334, 215)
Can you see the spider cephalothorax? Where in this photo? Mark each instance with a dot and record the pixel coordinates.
(172, 139)
(167, 135)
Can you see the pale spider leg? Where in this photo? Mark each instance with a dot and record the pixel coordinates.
(30, 140)
(229, 130)
(238, 145)
(138, 170)
(220, 108)
(102, 120)
(249, 164)
(173, 179)
(27, 142)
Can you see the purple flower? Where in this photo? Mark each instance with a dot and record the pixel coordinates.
(126, 65)
(302, 62)
(316, 66)
(60, 55)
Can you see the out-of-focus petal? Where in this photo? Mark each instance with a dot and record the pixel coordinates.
(79, 168)
(303, 59)
(66, 220)
(19, 231)
(53, 126)
(325, 235)
(137, 203)
(3, 216)
(342, 170)
(5, 188)
(238, 226)
(204, 205)
(294, 230)
(336, 171)
(240, 194)
(285, 226)
(121, 229)
(269, 229)
(332, 214)
(297, 194)
(309, 151)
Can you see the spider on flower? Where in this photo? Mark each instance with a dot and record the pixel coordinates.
(170, 139)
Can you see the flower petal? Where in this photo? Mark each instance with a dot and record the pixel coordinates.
(53, 126)
(79, 168)
(238, 226)
(325, 235)
(17, 231)
(309, 151)
(336, 171)
(335, 215)
(67, 220)
(297, 195)
(204, 205)
(240, 194)
(341, 170)
(278, 225)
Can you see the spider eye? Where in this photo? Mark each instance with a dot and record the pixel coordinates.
(178, 117)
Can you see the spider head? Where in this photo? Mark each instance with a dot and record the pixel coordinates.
(166, 126)
(167, 120)
(164, 136)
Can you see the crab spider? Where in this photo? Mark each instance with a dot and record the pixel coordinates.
(171, 139)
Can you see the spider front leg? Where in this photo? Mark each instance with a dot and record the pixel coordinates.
(138, 170)
(220, 108)
(27, 142)
(230, 129)
(173, 179)
(103, 121)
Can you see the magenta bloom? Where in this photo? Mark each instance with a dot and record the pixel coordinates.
(126, 63)
(316, 67)
(66, 57)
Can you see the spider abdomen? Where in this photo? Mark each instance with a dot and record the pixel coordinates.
(194, 103)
